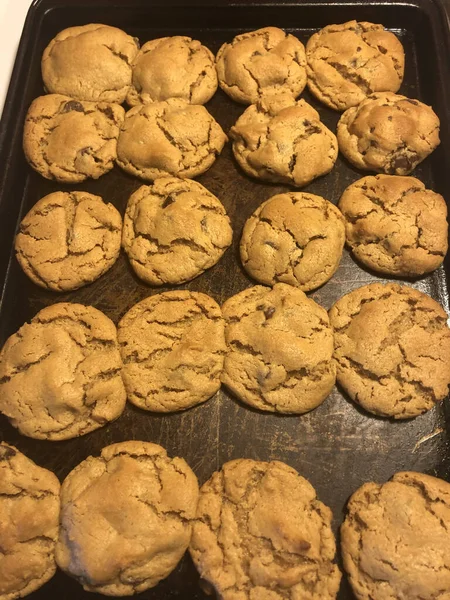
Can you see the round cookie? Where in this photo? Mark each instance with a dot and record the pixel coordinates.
(126, 518)
(71, 141)
(395, 225)
(392, 345)
(280, 347)
(174, 230)
(173, 67)
(348, 62)
(171, 137)
(388, 133)
(283, 141)
(60, 374)
(262, 534)
(294, 238)
(91, 62)
(29, 521)
(396, 541)
(173, 347)
(68, 239)
(265, 60)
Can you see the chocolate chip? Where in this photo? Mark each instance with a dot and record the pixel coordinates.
(271, 244)
(72, 105)
(412, 101)
(401, 162)
(108, 112)
(358, 49)
(382, 49)
(310, 129)
(6, 452)
(256, 53)
(203, 224)
(268, 313)
(168, 201)
(136, 41)
(389, 118)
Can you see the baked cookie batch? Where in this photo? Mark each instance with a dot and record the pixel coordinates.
(121, 522)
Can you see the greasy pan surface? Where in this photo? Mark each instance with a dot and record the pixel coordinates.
(337, 446)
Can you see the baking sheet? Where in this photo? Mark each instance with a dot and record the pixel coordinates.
(337, 446)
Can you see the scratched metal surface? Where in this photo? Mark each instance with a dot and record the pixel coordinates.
(337, 446)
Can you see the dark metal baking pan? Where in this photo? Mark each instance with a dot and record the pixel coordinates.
(337, 447)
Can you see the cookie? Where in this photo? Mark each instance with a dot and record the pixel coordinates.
(283, 142)
(169, 138)
(280, 345)
(394, 225)
(173, 346)
(174, 230)
(388, 133)
(68, 239)
(126, 518)
(261, 533)
(29, 520)
(396, 541)
(173, 67)
(60, 374)
(265, 60)
(71, 141)
(293, 238)
(348, 62)
(91, 62)
(392, 346)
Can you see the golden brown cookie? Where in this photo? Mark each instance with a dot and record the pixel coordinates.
(126, 518)
(60, 374)
(173, 346)
(294, 238)
(265, 60)
(29, 520)
(280, 347)
(348, 62)
(283, 141)
(68, 239)
(174, 230)
(173, 67)
(392, 348)
(388, 133)
(395, 225)
(169, 138)
(262, 534)
(396, 539)
(71, 141)
(91, 62)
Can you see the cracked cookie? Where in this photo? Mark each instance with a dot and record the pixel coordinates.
(293, 238)
(388, 133)
(169, 138)
(348, 62)
(91, 62)
(174, 230)
(29, 521)
(68, 239)
(60, 374)
(283, 141)
(69, 141)
(126, 518)
(396, 541)
(392, 345)
(173, 347)
(265, 60)
(280, 347)
(173, 67)
(262, 534)
(395, 225)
